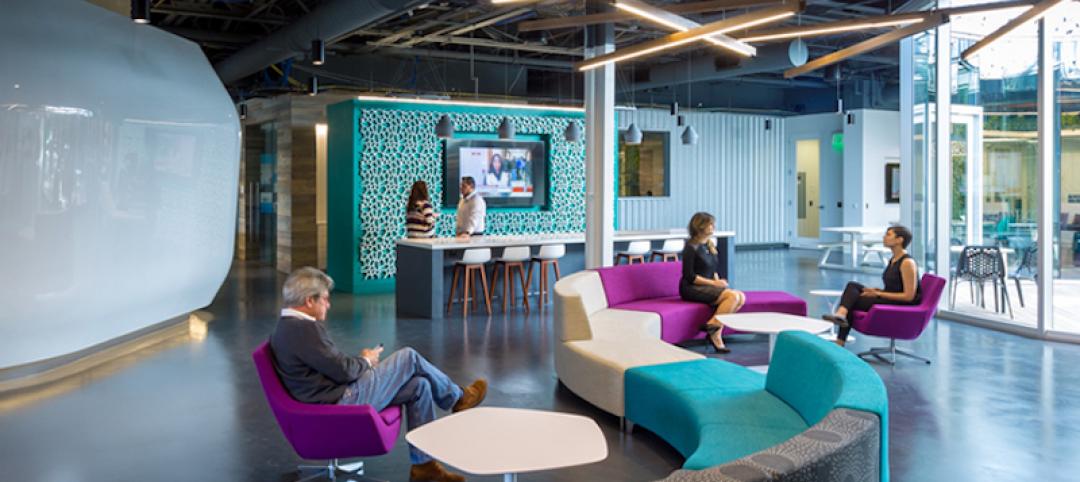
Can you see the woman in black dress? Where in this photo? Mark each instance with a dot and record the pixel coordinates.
(900, 279)
(701, 283)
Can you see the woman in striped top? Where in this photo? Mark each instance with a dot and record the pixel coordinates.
(419, 215)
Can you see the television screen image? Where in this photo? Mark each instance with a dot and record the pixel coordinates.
(507, 173)
(499, 172)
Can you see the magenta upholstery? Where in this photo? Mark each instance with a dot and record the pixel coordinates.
(655, 287)
(902, 322)
(326, 431)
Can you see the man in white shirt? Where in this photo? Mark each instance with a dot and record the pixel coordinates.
(471, 210)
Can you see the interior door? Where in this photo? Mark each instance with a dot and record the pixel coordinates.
(808, 194)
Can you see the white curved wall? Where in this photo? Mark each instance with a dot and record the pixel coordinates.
(119, 155)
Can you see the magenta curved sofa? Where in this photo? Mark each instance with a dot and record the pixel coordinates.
(655, 287)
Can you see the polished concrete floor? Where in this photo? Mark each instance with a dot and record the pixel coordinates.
(991, 406)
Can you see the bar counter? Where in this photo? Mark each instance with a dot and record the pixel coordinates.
(425, 267)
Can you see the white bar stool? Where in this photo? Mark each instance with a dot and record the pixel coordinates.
(548, 256)
(472, 263)
(669, 251)
(513, 257)
(636, 250)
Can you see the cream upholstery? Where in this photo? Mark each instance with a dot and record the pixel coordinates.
(598, 344)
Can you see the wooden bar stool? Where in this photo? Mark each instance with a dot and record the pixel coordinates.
(548, 256)
(511, 258)
(472, 264)
(637, 250)
(669, 251)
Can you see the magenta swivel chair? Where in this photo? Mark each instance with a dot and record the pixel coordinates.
(327, 432)
(900, 322)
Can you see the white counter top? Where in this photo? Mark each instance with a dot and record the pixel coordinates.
(540, 239)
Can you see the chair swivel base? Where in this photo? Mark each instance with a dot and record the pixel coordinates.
(331, 469)
(894, 351)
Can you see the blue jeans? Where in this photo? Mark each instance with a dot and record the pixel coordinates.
(405, 378)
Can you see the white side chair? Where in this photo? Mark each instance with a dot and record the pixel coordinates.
(512, 258)
(669, 251)
(548, 256)
(472, 264)
(637, 250)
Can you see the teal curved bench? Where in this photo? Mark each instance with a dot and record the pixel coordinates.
(714, 412)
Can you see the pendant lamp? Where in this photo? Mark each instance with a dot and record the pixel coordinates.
(506, 129)
(689, 136)
(633, 135)
(444, 129)
(572, 132)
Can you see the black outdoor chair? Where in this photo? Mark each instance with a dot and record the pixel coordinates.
(978, 265)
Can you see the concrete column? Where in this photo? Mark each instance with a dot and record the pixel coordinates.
(943, 151)
(599, 150)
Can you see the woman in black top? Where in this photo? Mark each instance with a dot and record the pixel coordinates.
(900, 279)
(701, 283)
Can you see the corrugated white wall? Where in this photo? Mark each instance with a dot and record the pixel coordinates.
(735, 172)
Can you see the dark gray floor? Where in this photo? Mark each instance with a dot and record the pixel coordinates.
(992, 406)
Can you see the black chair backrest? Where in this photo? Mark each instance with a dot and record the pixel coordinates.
(1029, 261)
(981, 263)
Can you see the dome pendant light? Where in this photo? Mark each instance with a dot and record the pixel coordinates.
(506, 129)
(633, 135)
(140, 11)
(572, 132)
(689, 136)
(444, 129)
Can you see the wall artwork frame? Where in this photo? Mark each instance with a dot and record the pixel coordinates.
(892, 181)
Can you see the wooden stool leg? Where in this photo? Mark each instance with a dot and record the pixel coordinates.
(494, 277)
(528, 280)
(450, 300)
(543, 282)
(507, 287)
(524, 286)
(465, 293)
(475, 298)
(487, 298)
(556, 265)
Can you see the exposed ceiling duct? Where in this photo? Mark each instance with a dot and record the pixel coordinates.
(329, 22)
(770, 58)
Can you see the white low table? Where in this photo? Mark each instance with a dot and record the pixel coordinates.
(509, 441)
(772, 324)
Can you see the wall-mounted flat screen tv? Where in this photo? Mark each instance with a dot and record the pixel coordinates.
(507, 173)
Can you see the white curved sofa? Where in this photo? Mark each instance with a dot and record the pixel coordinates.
(598, 344)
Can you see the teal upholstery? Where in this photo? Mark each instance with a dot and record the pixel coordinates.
(815, 376)
(714, 412)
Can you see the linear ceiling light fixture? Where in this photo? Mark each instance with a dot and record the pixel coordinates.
(1033, 14)
(828, 28)
(681, 24)
(407, 100)
(682, 38)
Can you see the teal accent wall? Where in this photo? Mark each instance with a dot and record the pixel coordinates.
(376, 150)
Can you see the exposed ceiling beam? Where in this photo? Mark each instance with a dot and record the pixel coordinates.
(679, 23)
(677, 39)
(1034, 13)
(854, 7)
(680, 8)
(219, 16)
(547, 64)
(865, 46)
(481, 22)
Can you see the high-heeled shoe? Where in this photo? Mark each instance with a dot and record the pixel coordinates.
(711, 330)
(836, 320)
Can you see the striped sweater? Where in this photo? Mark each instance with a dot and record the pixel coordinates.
(420, 220)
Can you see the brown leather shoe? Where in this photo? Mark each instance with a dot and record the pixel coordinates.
(433, 472)
(472, 396)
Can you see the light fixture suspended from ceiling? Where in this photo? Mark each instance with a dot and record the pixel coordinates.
(140, 11)
(633, 135)
(318, 52)
(313, 86)
(689, 136)
(506, 128)
(572, 132)
(444, 129)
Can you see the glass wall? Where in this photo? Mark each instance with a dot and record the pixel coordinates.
(992, 171)
(994, 148)
(1064, 31)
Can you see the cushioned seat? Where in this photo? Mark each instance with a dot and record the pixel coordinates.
(703, 408)
(682, 320)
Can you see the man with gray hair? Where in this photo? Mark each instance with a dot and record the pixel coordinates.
(315, 371)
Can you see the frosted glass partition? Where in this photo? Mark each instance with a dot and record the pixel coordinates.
(119, 152)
